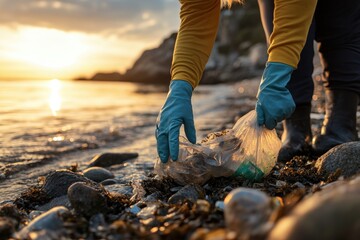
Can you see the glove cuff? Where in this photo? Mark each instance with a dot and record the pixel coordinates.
(180, 88)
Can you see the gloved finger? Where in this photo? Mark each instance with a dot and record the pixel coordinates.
(260, 114)
(190, 130)
(163, 147)
(174, 131)
(270, 123)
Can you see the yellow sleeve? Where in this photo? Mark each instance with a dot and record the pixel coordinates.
(292, 20)
(199, 24)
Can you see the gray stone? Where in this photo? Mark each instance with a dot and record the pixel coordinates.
(57, 183)
(345, 157)
(55, 202)
(50, 220)
(119, 189)
(247, 212)
(87, 200)
(108, 182)
(190, 193)
(333, 213)
(109, 159)
(98, 174)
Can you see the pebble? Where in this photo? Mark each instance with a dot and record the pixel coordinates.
(108, 182)
(344, 157)
(87, 200)
(148, 212)
(98, 174)
(119, 189)
(50, 220)
(332, 213)
(220, 205)
(55, 202)
(247, 212)
(298, 185)
(57, 183)
(175, 189)
(154, 197)
(190, 193)
(134, 209)
(280, 183)
(109, 159)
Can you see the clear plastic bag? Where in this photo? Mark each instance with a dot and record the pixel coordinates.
(246, 150)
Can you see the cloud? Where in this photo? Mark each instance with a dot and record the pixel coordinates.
(125, 18)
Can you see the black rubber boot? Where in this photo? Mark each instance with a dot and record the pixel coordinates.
(339, 125)
(296, 138)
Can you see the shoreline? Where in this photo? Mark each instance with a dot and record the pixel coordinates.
(136, 204)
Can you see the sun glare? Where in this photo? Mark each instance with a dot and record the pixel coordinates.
(55, 96)
(48, 48)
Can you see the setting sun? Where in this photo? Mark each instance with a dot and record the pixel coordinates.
(44, 53)
(48, 48)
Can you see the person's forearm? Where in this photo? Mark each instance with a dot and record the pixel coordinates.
(292, 20)
(266, 8)
(197, 33)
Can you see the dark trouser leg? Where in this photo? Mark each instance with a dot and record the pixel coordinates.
(297, 136)
(338, 31)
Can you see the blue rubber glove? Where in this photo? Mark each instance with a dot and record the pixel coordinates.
(275, 102)
(176, 111)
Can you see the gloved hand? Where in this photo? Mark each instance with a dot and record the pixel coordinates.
(176, 111)
(275, 102)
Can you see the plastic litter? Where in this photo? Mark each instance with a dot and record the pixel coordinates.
(246, 150)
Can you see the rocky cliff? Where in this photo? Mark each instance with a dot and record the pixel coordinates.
(239, 52)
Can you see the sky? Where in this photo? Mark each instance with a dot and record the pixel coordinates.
(64, 39)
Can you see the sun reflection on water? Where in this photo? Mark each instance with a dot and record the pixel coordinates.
(55, 96)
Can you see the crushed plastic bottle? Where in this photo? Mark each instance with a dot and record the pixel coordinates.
(246, 150)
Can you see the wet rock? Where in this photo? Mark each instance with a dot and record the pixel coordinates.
(55, 202)
(87, 200)
(50, 220)
(190, 193)
(98, 174)
(153, 197)
(134, 209)
(7, 227)
(108, 182)
(57, 183)
(332, 213)
(148, 212)
(109, 159)
(247, 212)
(344, 157)
(119, 189)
